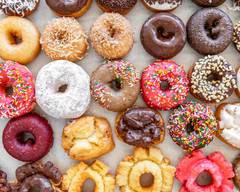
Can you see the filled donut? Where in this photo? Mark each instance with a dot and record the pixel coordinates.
(162, 5)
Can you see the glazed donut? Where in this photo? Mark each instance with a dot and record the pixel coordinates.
(214, 166)
(115, 85)
(63, 89)
(75, 177)
(212, 79)
(87, 138)
(162, 5)
(192, 126)
(112, 36)
(236, 36)
(116, 6)
(164, 85)
(140, 126)
(149, 160)
(73, 8)
(207, 3)
(17, 90)
(19, 40)
(23, 137)
(209, 31)
(64, 38)
(236, 169)
(163, 35)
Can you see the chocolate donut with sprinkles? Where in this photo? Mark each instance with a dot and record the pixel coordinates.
(212, 79)
(192, 126)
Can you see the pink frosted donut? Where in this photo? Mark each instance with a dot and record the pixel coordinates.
(17, 91)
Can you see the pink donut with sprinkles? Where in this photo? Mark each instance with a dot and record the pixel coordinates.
(17, 91)
(164, 85)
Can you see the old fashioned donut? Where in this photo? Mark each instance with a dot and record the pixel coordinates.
(116, 6)
(192, 126)
(75, 177)
(162, 5)
(23, 137)
(87, 137)
(163, 35)
(63, 89)
(140, 126)
(145, 161)
(236, 35)
(115, 85)
(17, 90)
(164, 85)
(19, 40)
(212, 79)
(214, 167)
(209, 31)
(73, 8)
(209, 3)
(236, 164)
(64, 38)
(112, 36)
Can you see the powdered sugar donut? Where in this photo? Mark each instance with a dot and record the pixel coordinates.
(63, 89)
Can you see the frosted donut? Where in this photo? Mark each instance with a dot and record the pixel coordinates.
(112, 36)
(63, 89)
(19, 40)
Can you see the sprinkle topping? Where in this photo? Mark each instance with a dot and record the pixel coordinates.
(236, 35)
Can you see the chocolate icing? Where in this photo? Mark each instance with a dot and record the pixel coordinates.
(208, 3)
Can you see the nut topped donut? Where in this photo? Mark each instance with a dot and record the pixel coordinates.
(212, 79)
(115, 85)
(162, 5)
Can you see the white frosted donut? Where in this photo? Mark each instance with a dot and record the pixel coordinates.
(63, 89)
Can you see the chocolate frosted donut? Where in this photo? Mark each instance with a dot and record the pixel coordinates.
(209, 31)
(209, 3)
(163, 35)
(140, 126)
(162, 5)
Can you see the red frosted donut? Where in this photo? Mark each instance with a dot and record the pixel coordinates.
(28, 138)
(17, 91)
(164, 85)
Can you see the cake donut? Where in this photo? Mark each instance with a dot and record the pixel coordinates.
(238, 82)
(112, 36)
(23, 137)
(192, 126)
(212, 79)
(209, 3)
(115, 85)
(20, 8)
(162, 5)
(236, 36)
(236, 168)
(164, 85)
(64, 38)
(17, 90)
(145, 161)
(214, 167)
(73, 8)
(140, 126)
(20, 40)
(163, 35)
(63, 89)
(209, 31)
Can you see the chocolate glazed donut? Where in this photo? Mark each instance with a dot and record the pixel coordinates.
(209, 3)
(163, 35)
(209, 31)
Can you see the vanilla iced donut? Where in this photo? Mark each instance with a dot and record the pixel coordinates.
(63, 89)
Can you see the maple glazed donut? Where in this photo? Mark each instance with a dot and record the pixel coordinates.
(20, 40)
(162, 5)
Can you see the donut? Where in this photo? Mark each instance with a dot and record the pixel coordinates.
(194, 167)
(87, 137)
(115, 85)
(192, 126)
(17, 90)
(4, 185)
(236, 35)
(145, 161)
(63, 89)
(116, 6)
(140, 126)
(64, 38)
(73, 8)
(236, 169)
(75, 177)
(112, 36)
(20, 40)
(164, 85)
(163, 35)
(207, 3)
(209, 31)
(238, 82)
(161, 5)
(23, 137)
(212, 79)
(20, 8)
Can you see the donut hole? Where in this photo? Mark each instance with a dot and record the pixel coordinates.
(190, 128)
(115, 84)
(147, 180)
(26, 138)
(163, 34)
(212, 29)
(164, 85)
(62, 88)
(35, 189)
(9, 91)
(214, 77)
(61, 35)
(112, 31)
(88, 186)
(204, 179)
(15, 38)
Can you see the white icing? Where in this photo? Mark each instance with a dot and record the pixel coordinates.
(238, 80)
(163, 6)
(230, 124)
(74, 101)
